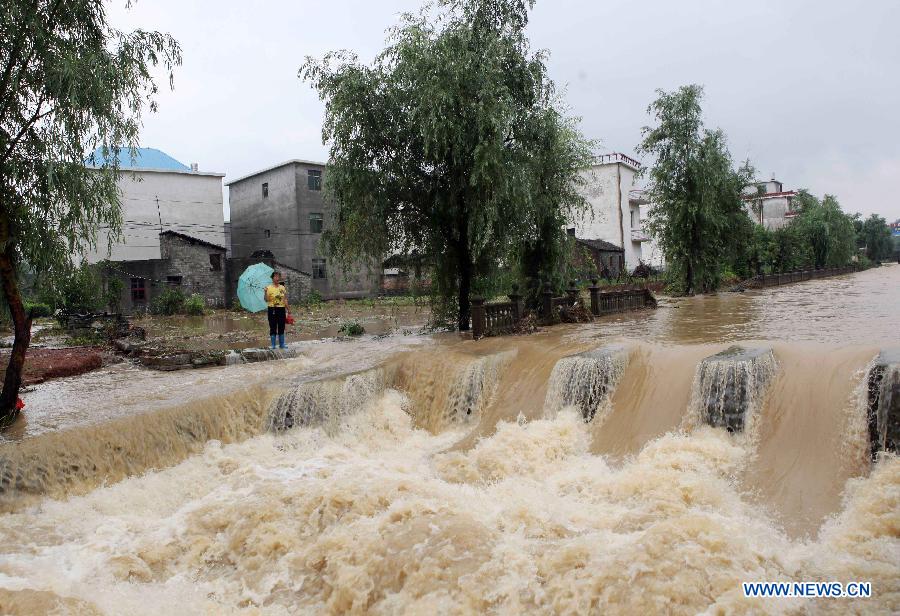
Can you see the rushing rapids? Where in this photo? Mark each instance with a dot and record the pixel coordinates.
(560, 472)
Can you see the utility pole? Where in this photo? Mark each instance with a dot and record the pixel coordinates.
(159, 214)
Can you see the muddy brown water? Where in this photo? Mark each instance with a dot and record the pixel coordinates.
(458, 487)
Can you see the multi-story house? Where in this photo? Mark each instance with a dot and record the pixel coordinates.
(769, 204)
(615, 198)
(160, 194)
(280, 211)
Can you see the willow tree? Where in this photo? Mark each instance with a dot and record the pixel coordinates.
(452, 143)
(698, 213)
(826, 230)
(69, 83)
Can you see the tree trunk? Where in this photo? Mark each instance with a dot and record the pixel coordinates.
(464, 265)
(465, 287)
(22, 329)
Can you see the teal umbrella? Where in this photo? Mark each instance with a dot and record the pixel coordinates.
(252, 286)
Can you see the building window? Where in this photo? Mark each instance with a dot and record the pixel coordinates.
(265, 189)
(318, 269)
(314, 179)
(138, 290)
(215, 262)
(267, 233)
(173, 281)
(315, 222)
(633, 225)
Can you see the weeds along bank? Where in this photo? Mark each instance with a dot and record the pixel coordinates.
(381, 518)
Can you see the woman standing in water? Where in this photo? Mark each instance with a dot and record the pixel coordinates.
(276, 299)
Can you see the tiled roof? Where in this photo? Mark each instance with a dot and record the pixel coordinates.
(600, 245)
(193, 240)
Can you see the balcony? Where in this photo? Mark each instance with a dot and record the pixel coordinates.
(637, 197)
(617, 157)
(639, 235)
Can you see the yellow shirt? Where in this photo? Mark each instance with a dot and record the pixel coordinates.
(276, 296)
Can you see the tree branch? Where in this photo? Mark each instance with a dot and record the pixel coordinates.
(31, 122)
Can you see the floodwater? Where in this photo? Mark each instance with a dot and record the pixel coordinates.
(451, 476)
(856, 308)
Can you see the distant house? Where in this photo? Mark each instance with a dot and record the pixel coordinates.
(606, 258)
(192, 265)
(611, 189)
(159, 194)
(281, 209)
(186, 263)
(769, 204)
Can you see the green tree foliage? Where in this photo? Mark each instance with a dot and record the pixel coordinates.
(821, 235)
(71, 289)
(698, 214)
(825, 229)
(68, 83)
(876, 237)
(452, 143)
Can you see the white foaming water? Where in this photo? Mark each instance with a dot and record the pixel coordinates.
(586, 381)
(380, 518)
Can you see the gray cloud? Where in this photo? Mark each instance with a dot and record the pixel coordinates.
(808, 90)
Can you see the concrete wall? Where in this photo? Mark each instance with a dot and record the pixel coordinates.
(774, 212)
(189, 202)
(280, 223)
(606, 189)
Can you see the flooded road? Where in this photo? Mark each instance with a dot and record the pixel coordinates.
(451, 476)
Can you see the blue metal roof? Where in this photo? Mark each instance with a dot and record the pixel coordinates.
(145, 158)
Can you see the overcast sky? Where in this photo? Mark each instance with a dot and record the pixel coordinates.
(809, 90)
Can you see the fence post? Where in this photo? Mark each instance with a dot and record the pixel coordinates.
(478, 323)
(595, 290)
(516, 298)
(572, 291)
(546, 302)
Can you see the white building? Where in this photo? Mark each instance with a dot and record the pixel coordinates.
(769, 205)
(615, 206)
(158, 194)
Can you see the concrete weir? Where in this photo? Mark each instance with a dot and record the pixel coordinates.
(884, 402)
(586, 380)
(326, 401)
(452, 393)
(729, 385)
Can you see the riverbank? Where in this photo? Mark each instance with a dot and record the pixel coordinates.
(221, 330)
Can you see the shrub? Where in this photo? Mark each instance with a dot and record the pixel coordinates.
(313, 298)
(195, 305)
(72, 289)
(352, 328)
(169, 302)
(113, 295)
(38, 309)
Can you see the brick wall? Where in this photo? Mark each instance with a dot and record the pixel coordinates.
(200, 266)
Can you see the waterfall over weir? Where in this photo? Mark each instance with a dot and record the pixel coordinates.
(448, 391)
(586, 381)
(884, 402)
(728, 386)
(324, 402)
